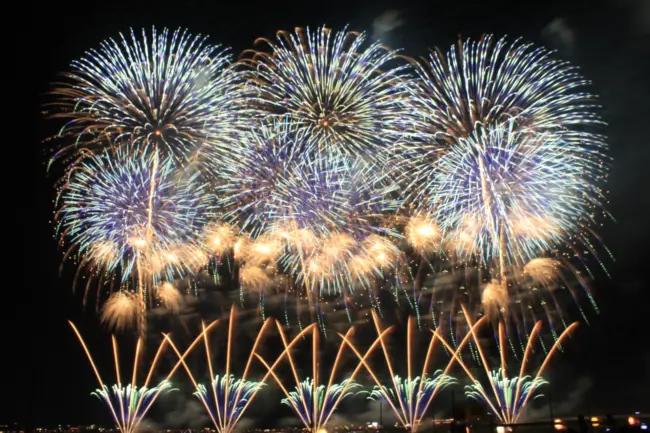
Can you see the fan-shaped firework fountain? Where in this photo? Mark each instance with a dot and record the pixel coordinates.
(129, 404)
(409, 397)
(509, 394)
(312, 401)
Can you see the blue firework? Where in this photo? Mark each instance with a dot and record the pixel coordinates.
(276, 182)
(131, 214)
(503, 192)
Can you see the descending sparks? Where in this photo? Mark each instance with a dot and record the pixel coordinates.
(120, 311)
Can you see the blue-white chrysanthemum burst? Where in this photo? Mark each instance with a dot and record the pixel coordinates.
(507, 159)
(277, 183)
(133, 209)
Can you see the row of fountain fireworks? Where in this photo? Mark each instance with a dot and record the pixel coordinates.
(314, 398)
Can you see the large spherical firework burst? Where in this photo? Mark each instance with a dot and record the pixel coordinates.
(133, 217)
(486, 83)
(503, 193)
(323, 207)
(277, 185)
(345, 97)
(173, 90)
(482, 84)
(505, 200)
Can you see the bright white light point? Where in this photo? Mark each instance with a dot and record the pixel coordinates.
(425, 230)
(263, 248)
(140, 242)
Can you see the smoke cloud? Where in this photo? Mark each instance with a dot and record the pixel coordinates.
(385, 23)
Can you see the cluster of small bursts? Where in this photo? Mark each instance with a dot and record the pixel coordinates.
(328, 170)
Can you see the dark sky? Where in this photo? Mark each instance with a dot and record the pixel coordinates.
(45, 379)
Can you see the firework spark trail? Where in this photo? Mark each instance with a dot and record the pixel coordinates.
(135, 221)
(129, 404)
(314, 402)
(172, 90)
(410, 398)
(347, 98)
(509, 395)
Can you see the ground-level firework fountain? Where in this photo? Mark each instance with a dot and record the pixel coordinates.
(227, 397)
(315, 402)
(129, 403)
(509, 394)
(410, 397)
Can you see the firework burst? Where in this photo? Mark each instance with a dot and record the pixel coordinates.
(133, 221)
(514, 195)
(345, 97)
(508, 161)
(506, 200)
(278, 185)
(319, 216)
(173, 90)
(482, 83)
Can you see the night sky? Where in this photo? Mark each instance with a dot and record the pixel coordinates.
(45, 379)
